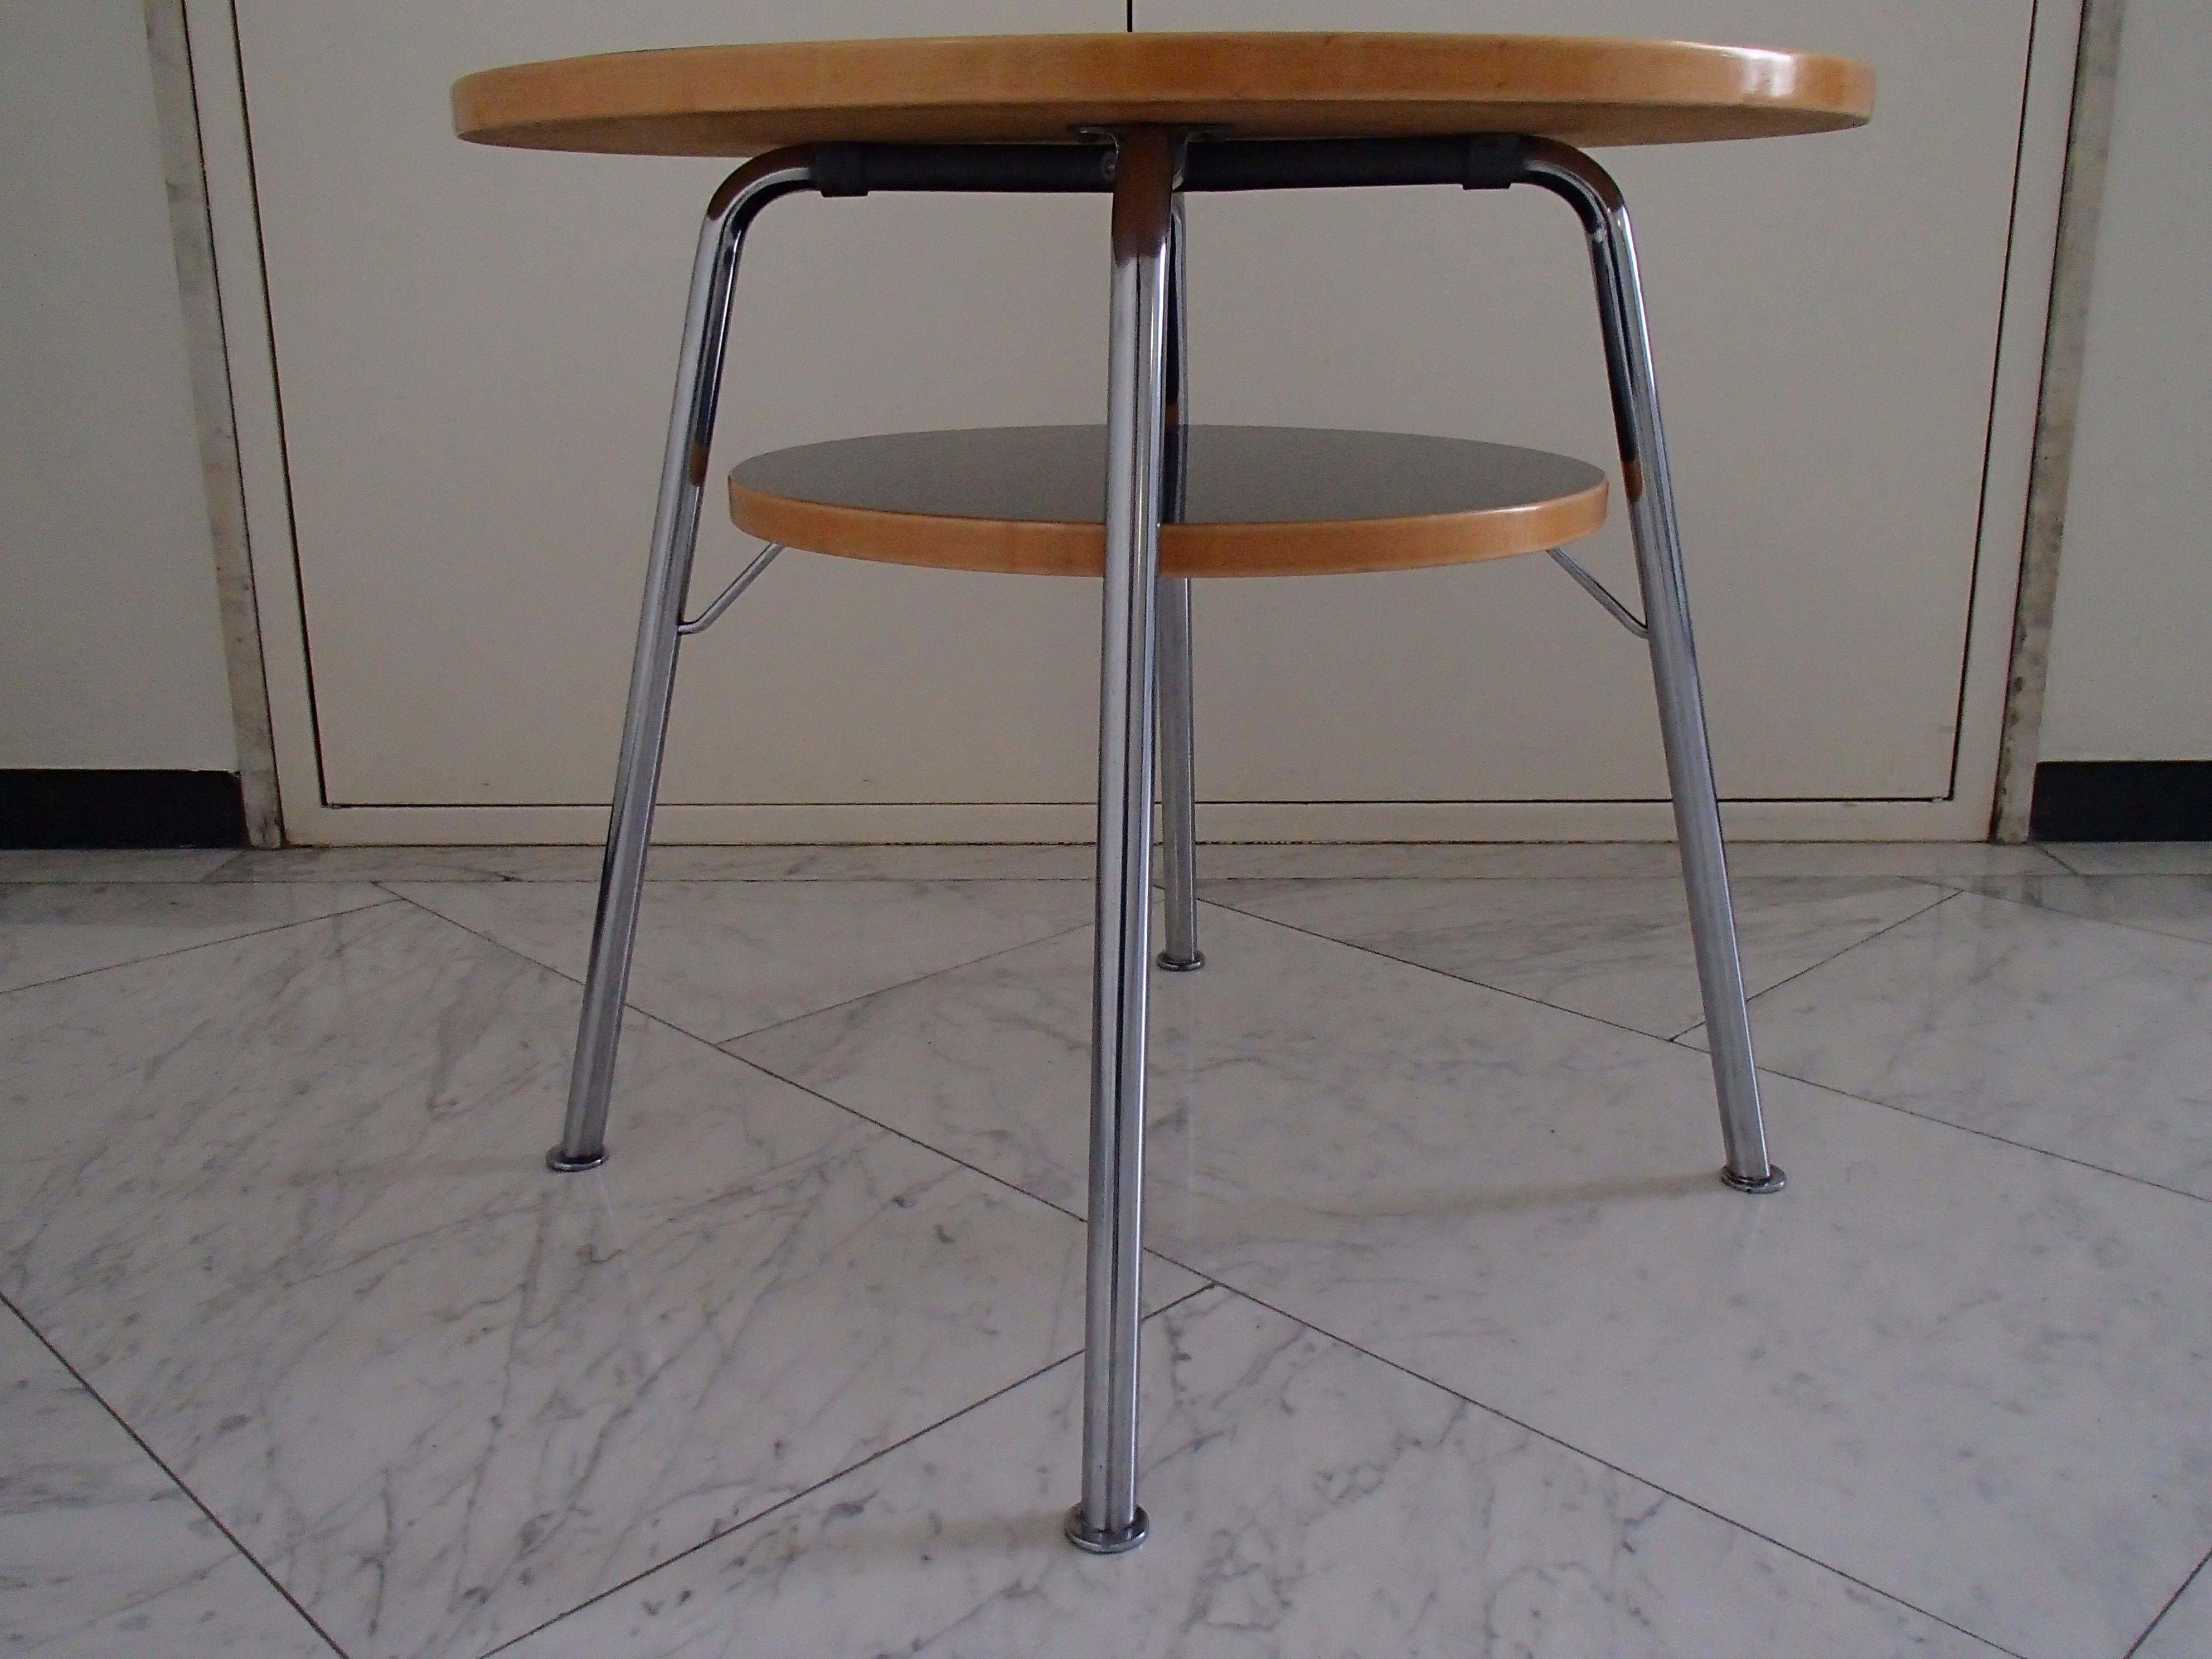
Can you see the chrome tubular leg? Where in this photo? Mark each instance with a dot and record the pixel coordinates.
(1178, 736)
(1179, 950)
(653, 669)
(1650, 488)
(1107, 1520)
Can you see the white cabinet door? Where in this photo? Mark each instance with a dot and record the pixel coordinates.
(1826, 314)
(471, 350)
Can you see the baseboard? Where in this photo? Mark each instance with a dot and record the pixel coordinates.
(40, 808)
(2122, 800)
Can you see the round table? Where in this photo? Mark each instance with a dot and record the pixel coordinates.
(1143, 500)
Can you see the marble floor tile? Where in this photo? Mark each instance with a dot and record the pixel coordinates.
(1912, 860)
(2185, 1632)
(288, 1213)
(1305, 1500)
(2179, 905)
(859, 862)
(2134, 858)
(48, 933)
(101, 1553)
(2087, 1040)
(1963, 1373)
(718, 959)
(1619, 949)
(1594, 860)
(112, 864)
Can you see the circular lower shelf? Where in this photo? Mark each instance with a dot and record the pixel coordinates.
(1258, 501)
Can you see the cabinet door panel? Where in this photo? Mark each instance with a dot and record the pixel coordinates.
(474, 350)
(1825, 313)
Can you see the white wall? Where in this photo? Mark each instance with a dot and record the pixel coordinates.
(2131, 675)
(110, 653)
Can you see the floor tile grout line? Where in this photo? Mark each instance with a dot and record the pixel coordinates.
(1945, 896)
(917, 1140)
(211, 943)
(787, 1501)
(2151, 1629)
(1438, 973)
(2052, 910)
(176, 1480)
(912, 1140)
(1826, 1088)
(1928, 1117)
(1979, 1134)
(2059, 859)
(917, 979)
(2066, 869)
(699, 1036)
(1604, 1462)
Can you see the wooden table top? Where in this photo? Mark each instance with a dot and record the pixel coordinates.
(1257, 501)
(740, 100)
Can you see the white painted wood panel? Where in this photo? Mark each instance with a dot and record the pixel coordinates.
(472, 350)
(1825, 312)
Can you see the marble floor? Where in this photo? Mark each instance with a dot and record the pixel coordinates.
(1453, 1345)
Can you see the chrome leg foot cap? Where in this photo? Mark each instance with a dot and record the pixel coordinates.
(1179, 964)
(1111, 1543)
(559, 1162)
(1775, 1182)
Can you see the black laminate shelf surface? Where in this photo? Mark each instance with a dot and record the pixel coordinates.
(1254, 500)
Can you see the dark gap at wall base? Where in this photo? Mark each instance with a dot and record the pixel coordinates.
(53, 809)
(2122, 800)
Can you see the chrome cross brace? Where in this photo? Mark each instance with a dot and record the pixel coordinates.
(1598, 591)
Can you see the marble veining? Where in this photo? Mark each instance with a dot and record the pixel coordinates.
(1520, 1204)
(719, 959)
(1617, 950)
(288, 1212)
(102, 1556)
(2090, 1041)
(50, 932)
(1305, 1500)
